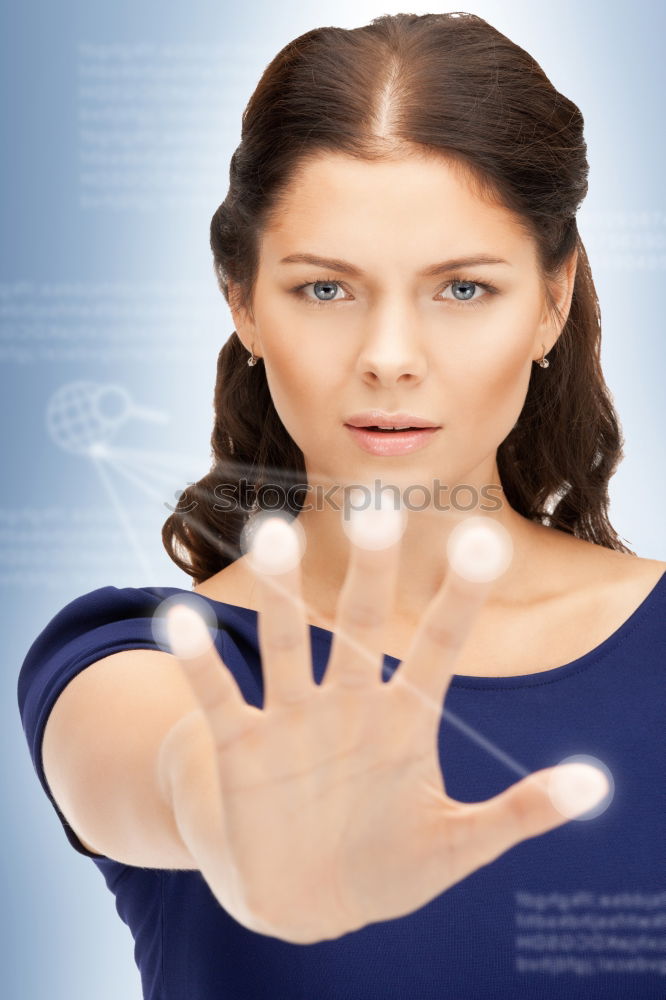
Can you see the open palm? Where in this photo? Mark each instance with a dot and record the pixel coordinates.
(335, 813)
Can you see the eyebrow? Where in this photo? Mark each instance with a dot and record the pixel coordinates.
(344, 267)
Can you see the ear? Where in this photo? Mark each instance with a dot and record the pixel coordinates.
(243, 320)
(556, 309)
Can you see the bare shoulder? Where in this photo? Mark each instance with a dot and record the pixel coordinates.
(605, 577)
(623, 565)
(654, 565)
(587, 559)
(637, 579)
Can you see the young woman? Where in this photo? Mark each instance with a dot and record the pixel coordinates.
(286, 812)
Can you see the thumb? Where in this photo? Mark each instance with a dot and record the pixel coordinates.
(540, 802)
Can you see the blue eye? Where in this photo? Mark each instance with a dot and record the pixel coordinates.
(468, 288)
(328, 288)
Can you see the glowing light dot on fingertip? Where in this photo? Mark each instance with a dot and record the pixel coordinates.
(198, 605)
(479, 549)
(187, 632)
(377, 525)
(581, 787)
(274, 543)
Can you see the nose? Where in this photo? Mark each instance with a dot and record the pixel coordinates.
(390, 355)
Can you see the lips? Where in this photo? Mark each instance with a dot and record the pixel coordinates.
(376, 441)
(382, 419)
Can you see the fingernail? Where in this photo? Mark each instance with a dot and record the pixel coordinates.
(479, 549)
(275, 546)
(187, 632)
(577, 788)
(376, 526)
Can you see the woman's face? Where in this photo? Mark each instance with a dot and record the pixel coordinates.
(455, 348)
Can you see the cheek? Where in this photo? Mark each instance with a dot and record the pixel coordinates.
(496, 394)
(296, 381)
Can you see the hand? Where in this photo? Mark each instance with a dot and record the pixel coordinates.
(334, 810)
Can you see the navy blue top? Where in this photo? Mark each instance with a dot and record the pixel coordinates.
(579, 912)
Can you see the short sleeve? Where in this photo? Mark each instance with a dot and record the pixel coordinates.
(97, 624)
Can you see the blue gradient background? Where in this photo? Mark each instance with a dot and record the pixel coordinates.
(63, 533)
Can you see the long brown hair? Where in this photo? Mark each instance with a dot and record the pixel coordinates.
(446, 84)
